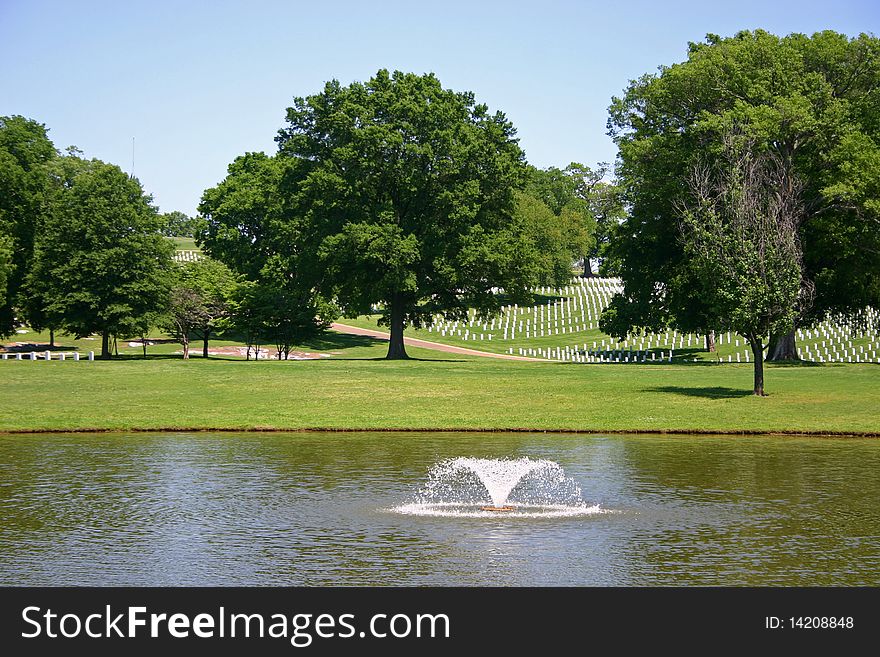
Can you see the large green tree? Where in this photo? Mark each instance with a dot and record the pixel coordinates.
(100, 264)
(25, 153)
(407, 188)
(813, 102)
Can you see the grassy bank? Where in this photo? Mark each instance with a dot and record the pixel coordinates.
(443, 392)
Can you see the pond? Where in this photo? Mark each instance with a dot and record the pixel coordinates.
(330, 509)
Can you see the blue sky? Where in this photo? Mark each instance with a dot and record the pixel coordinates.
(199, 83)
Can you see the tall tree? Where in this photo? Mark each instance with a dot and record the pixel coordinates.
(557, 240)
(25, 152)
(252, 225)
(739, 231)
(409, 189)
(100, 263)
(814, 102)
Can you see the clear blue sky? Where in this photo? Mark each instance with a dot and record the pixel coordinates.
(199, 83)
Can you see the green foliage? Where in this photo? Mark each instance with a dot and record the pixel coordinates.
(263, 313)
(100, 264)
(568, 197)
(593, 205)
(551, 238)
(740, 239)
(25, 152)
(178, 224)
(199, 300)
(186, 311)
(406, 189)
(245, 222)
(5, 263)
(814, 102)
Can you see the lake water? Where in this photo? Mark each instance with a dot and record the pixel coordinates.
(318, 509)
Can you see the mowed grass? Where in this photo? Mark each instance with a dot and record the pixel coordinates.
(437, 391)
(184, 243)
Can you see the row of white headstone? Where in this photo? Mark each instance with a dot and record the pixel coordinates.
(46, 355)
(578, 310)
(187, 256)
(832, 341)
(576, 355)
(583, 301)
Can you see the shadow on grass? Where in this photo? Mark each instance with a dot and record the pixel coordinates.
(792, 363)
(39, 347)
(331, 340)
(411, 359)
(714, 392)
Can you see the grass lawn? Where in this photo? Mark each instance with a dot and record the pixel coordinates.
(352, 391)
(589, 338)
(184, 243)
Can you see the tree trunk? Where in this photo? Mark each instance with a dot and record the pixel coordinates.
(185, 343)
(105, 346)
(588, 270)
(783, 347)
(51, 338)
(710, 342)
(206, 336)
(144, 345)
(758, 354)
(396, 349)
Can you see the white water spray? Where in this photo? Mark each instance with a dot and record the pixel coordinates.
(520, 487)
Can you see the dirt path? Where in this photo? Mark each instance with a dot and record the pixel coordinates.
(415, 342)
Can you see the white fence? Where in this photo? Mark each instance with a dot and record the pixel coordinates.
(47, 355)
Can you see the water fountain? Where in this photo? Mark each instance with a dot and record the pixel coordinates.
(522, 487)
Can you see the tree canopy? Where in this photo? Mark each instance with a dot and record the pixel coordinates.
(741, 241)
(200, 301)
(409, 187)
(393, 194)
(25, 152)
(813, 102)
(100, 264)
(179, 224)
(592, 206)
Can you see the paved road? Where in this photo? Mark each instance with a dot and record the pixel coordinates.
(415, 342)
